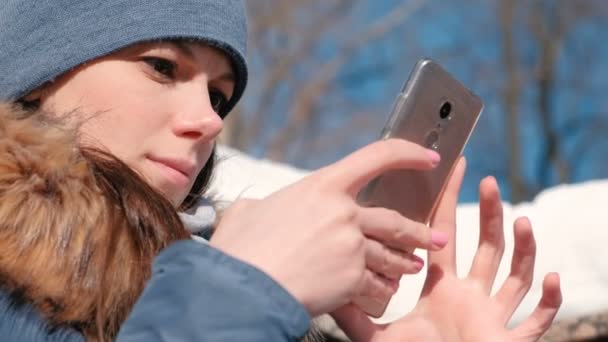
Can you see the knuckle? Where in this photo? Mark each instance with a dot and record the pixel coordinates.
(355, 279)
(404, 265)
(344, 211)
(395, 228)
(364, 287)
(375, 288)
(524, 282)
(420, 231)
(387, 261)
(425, 236)
(356, 286)
(495, 233)
(359, 241)
(355, 241)
(351, 212)
(397, 224)
(524, 251)
(415, 233)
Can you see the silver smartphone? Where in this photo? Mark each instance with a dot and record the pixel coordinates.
(436, 111)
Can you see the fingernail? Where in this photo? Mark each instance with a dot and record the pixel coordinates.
(439, 239)
(434, 157)
(418, 263)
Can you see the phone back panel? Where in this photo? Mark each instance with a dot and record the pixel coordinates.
(416, 117)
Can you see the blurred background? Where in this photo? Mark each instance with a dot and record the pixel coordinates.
(324, 74)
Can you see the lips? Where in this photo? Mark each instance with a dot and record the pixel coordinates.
(183, 166)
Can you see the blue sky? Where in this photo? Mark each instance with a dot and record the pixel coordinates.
(465, 37)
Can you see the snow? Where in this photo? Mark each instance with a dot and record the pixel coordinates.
(569, 222)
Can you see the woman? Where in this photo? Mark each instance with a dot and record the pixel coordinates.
(156, 78)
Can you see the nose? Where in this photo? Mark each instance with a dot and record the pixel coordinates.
(196, 119)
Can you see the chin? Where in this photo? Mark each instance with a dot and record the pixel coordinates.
(174, 197)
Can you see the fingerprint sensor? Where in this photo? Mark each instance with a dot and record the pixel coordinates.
(432, 140)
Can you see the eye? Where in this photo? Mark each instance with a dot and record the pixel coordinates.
(162, 66)
(218, 101)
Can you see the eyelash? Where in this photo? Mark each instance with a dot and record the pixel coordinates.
(218, 107)
(168, 69)
(162, 66)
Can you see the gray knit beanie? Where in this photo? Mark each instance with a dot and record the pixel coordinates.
(42, 39)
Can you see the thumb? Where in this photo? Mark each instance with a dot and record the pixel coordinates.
(354, 171)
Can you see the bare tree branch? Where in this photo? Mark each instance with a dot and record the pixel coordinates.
(304, 106)
(284, 61)
(506, 14)
(548, 27)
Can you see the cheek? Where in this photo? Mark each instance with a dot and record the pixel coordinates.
(111, 117)
(103, 87)
(108, 134)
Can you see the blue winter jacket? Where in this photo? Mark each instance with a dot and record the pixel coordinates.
(195, 293)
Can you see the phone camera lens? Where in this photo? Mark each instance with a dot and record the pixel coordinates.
(432, 140)
(445, 111)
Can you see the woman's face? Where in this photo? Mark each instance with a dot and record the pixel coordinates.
(153, 105)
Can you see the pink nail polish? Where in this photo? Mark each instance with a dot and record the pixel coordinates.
(418, 265)
(439, 239)
(434, 156)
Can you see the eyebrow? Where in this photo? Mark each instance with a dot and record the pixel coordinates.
(184, 48)
(187, 50)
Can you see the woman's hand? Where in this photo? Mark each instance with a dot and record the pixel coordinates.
(317, 242)
(462, 309)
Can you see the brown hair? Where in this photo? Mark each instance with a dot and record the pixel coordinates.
(78, 228)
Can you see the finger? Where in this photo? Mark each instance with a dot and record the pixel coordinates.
(491, 238)
(376, 286)
(521, 275)
(399, 232)
(391, 263)
(540, 320)
(355, 323)
(357, 169)
(444, 220)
